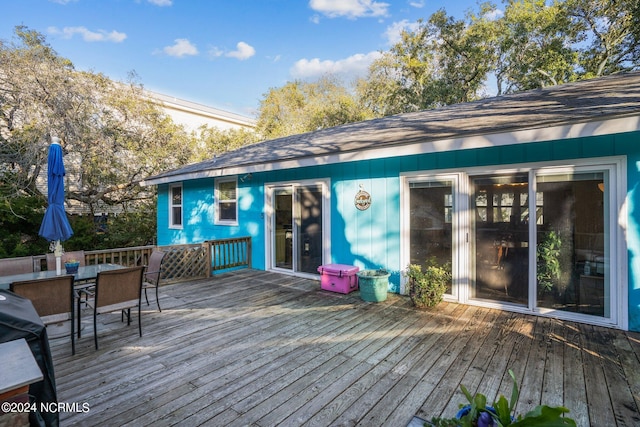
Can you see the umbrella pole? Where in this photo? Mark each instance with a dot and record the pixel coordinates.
(58, 253)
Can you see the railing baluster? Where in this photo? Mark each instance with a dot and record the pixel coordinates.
(230, 253)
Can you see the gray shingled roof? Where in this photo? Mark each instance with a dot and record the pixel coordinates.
(584, 101)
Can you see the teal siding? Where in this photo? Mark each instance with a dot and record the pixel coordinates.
(510, 154)
(371, 238)
(162, 215)
(199, 221)
(574, 149)
(633, 231)
(425, 162)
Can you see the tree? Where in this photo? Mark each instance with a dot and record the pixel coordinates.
(300, 107)
(20, 220)
(608, 31)
(399, 81)
(22, 122)
(122, 141)
(534, 47)
(464, 54)
(213, 141)
(544, 44)
(113, 136)
(443, 61)
(635, 35)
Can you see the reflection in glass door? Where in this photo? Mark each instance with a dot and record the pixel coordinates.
(501, 238)
(573, 241)
(309, 228)
(430, 223)
(283, 229)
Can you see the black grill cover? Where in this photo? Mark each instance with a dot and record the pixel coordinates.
(18, 319)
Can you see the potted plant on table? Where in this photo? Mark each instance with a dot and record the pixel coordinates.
(427, 286)
(71, 265)
(478, 413)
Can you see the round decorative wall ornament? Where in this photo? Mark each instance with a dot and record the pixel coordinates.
(362, 199)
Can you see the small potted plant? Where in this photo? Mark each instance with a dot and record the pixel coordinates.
(71, 265)
(427, 286)
(478, 413)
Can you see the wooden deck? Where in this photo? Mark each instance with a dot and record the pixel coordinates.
(253, 348)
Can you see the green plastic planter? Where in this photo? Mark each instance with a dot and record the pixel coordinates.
(373, 285)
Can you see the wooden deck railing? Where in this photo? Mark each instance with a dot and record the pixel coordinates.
(185, 262)
(230, 253)
(182, 262)
(130, 257)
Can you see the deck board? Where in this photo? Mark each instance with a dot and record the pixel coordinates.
(253, 348)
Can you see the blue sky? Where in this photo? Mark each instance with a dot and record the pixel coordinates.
(224, 54)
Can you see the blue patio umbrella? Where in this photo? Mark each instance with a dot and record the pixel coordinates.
(55, 226)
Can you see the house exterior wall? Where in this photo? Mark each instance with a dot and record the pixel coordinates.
(372, 238)
(192, 115)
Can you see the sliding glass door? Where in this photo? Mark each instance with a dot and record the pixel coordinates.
(432, 222)
(283, 227)
(573, 249)
(500, 244)
(537, 239)
(297, 223)
(308, 235)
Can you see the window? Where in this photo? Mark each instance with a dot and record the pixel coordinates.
(175, 206)
(501, 199)
(226, 201)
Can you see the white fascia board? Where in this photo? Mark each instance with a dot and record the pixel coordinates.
(545, 134)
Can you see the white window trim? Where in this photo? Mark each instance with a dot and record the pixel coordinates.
(171, 206)
(618, 274)
(217, 201)
(269, 222)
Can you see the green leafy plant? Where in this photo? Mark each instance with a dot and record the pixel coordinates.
(477, 413)
(549, 268)
(427, 286)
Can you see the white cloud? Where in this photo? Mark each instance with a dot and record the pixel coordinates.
(417, 3)
(494, 15)
(181, 47)
(394, 31)
(87, 35)
(354, 66)
(243, 51)
(351, 9)
(161, 2)
(214, 52)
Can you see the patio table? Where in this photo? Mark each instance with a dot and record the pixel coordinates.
(84, 274)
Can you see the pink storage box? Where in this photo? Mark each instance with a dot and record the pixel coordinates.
(338, 278)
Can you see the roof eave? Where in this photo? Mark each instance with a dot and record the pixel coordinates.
(557, 131)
